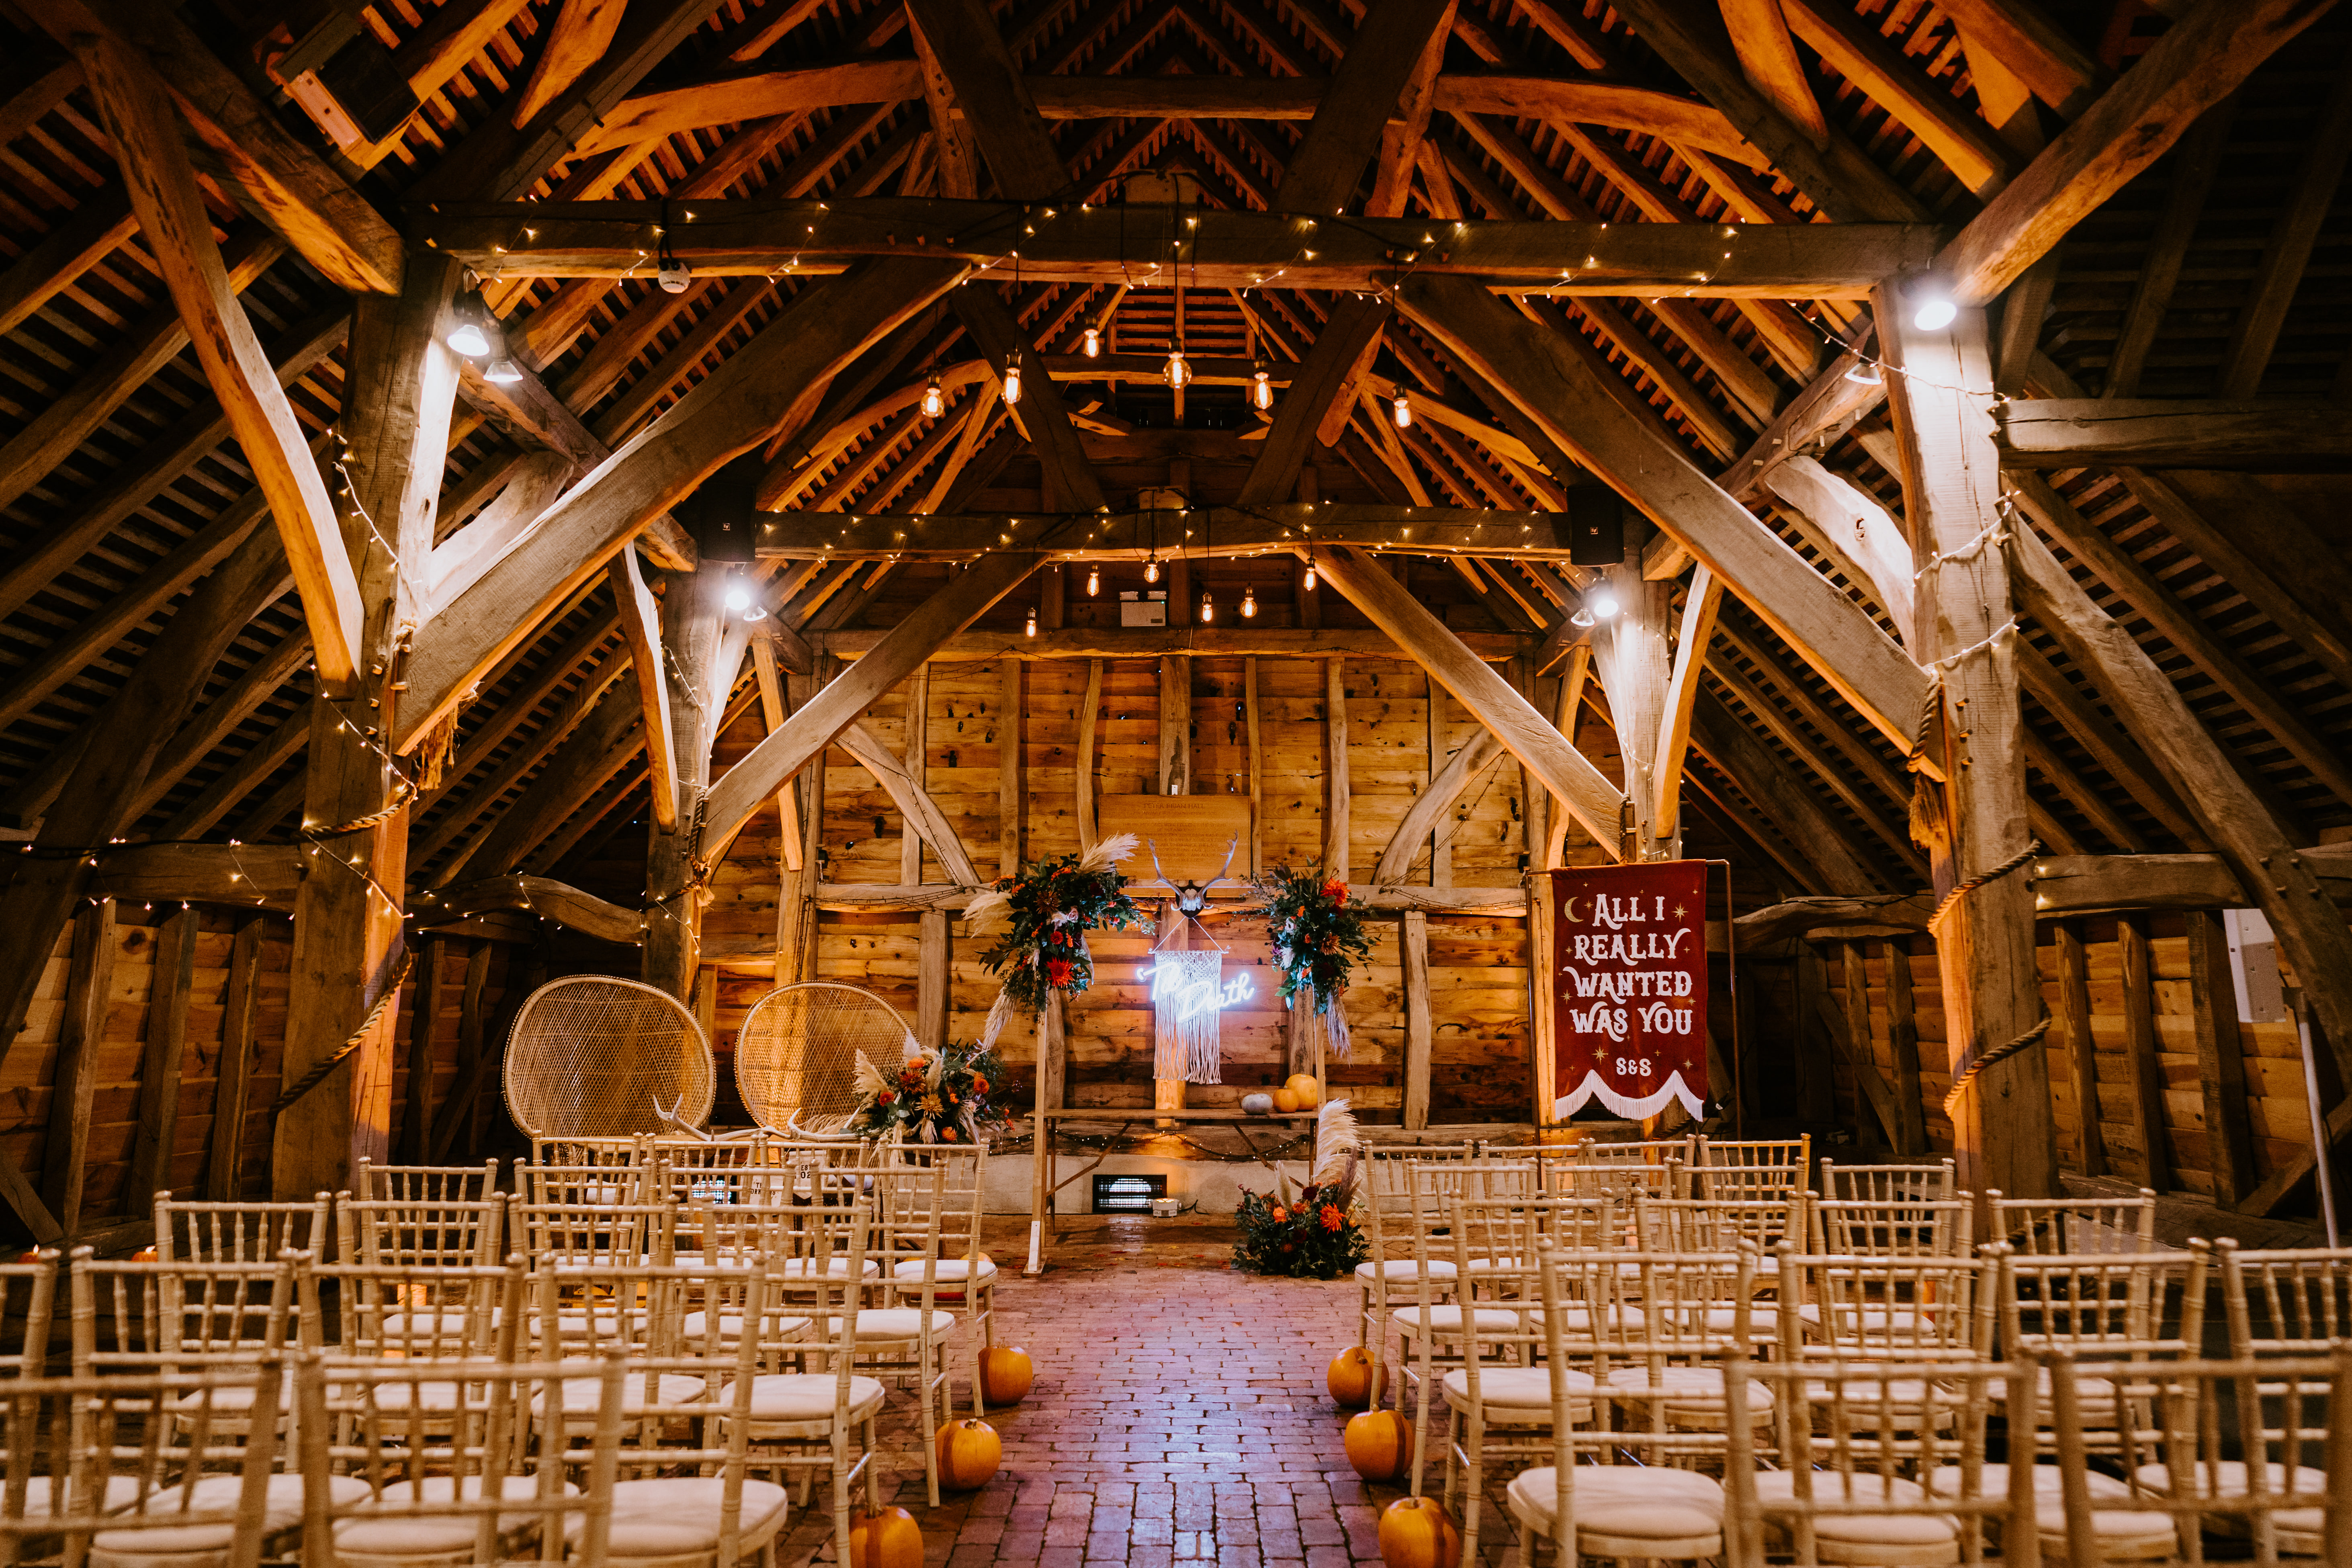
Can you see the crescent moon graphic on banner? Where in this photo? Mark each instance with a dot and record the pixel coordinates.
(1567, 908)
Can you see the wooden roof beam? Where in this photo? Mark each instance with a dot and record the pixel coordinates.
(2287, 252)
(962, 36)
(2199, 61)
(1070, 484)
(1793, 808)
(755, 390)
(1760, 39)
(2175, 433)
(1852, 46)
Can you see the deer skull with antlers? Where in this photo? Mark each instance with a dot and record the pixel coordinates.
(1192, 897)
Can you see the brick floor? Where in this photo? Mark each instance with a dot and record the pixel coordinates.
(1179, 1416)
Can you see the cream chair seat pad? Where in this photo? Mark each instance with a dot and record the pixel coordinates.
(1775, 1489)
(281, 1510)
(673, 1516)
(1623, 1501)
(433, 1537)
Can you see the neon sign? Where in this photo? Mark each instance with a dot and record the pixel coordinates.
(1190, 996)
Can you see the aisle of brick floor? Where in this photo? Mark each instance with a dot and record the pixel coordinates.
(1179, 1416)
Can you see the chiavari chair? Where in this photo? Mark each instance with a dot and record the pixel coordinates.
(1718, 1225)
(1608, 1509)
(1892, 1227)
(963, 1277)
(906, 1339)
(1619, 1181)
(408, 1314)
(577, 1235)
(1673, 1321)
(1753, 1168)
(130, 1318)
(803, 1422)
(93, 1477)
(2256, 1452)
(2110, 1307)
(584, 1186)
(1443, 1324)
(188, 1232)
(2069, 1227)
(425, 1184)
(1859, 1441)
(27, 1300)
(1392, 1267)
(1919, 1312)
(482, 1495)
(1498, 1401)
(452, 1233)
(2286, 1302)
(1935, 1183)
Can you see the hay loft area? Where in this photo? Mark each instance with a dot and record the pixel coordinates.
(508, 489)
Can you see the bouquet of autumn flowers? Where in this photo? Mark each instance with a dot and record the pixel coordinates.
(1317, 938)
(936, 1097)
(1050, 905)
(1313, 1236)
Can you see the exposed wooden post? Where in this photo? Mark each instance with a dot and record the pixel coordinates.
(1963, 614)
(2073, 1027)
(161, 1062)
(1856, 975)
(2140, 1052)
(1674, 723)
(796, 912)
(772, 712)
(2221, 1058)
(917, 766)
(222, 1184)
(1335, 767)
(934, 980)
(474, 1047)
(1256, 768)
(1168, 1093)
(693, 617)
(397, 399)
(1903, 1034)
(1632, 660)
(1011, 772)
(423, 1008)
(89, 976)
(1083, 776)
(1816, 1085)
(1413, 945)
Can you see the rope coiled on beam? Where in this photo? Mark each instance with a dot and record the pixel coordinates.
(318, 1074)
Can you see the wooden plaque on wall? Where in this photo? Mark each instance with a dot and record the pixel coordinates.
(1190, 832)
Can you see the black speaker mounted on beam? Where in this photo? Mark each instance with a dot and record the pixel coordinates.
(1596, 526)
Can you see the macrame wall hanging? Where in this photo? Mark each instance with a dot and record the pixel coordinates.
(1188, 996)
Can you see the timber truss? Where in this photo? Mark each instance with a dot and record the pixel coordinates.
(286, 571)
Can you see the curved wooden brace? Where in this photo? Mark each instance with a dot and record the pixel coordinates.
(914, 802)
(1436, 801)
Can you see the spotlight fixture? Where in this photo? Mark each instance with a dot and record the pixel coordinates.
(1261, 388)
(1604, 602)
(469, 321)
(1309, 580)
(1011, 382)
(1031, 630)
(1864, 374)
(1093, 348)
(1402, 409)
(1249, 601)
(502, 370)
(1178, 373)
(738, 598)
(935, 401)
(1583, 617)
(1094, 582)
(756, 612)
(1931, 305)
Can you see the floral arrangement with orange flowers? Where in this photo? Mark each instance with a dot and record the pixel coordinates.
(947, 1096)
(1318, 936)
(1313, 1234)
(1051, 906)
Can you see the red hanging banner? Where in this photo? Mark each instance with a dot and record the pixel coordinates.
(1628, 987)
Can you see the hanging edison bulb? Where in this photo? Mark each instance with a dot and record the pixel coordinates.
(1151, 569)
(1178, 373)
(1402, 410)
(1012, 384)
(1093, 348)
(1208, 608)
(935, 400)
(1249, 601)
(1310, 573)
(1094, 582)
(1032, 629)
(1261, 389)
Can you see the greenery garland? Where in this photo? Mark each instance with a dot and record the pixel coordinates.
(1052, 904)
(1317, 937)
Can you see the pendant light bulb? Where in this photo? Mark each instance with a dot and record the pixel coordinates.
(1208, 608)
(1094, 342)
(1249, 601)
(738, 598)
(1012, 385)
(1310, 578)
(1094, 582)
(1032, 629)
(502, 372)
(1178, 373)
(1261, 389)
(935, 400)
(1402, 409)
(1151, 569)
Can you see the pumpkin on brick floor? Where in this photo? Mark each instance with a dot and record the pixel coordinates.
(1349, 1378)
(1379, 1444)
(890, 1538)
(970, 1452)
(1006, 1373)
(1417, 1532)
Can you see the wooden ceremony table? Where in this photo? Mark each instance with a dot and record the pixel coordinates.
(1042, 1185)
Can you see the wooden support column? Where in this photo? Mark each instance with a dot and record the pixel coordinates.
(2220, 1059)
(90, 978)
(1816, 1086)
(1168, 1093)
(348, 946)
(1175, 724)
(693, 615)
(1084, 773)
(1256, 769)
(416, 1118)
(1856, 975)
(239, 1002)
(1951, 486)
(1413, 945)
(1335, 769)
(2140, 1052)
(796, 912)
(161, 1062)
(2073, 1027)
(917, 763)
(934, 980)
(772, 712)
(1903, 1034)
(1011, 772)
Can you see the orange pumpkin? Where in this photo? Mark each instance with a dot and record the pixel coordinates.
(1379, 1445)
(970, 1452)
(1417, 1532)
(1006, 1373)
(890, 1538)
(1284, 1102)
(145, 1255)
(1304, 1090)
(1349, 1378)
